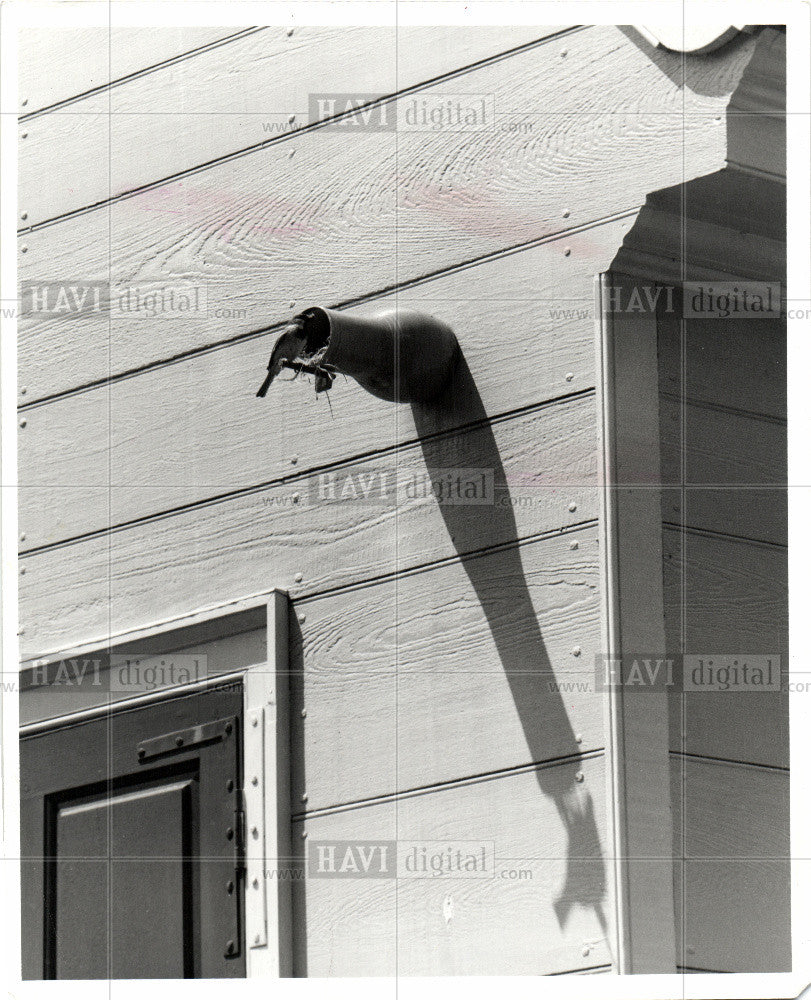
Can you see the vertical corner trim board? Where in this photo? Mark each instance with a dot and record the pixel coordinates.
(633, 610)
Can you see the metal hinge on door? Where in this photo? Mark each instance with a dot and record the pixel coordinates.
(236, 883)
(180, 740)
(239, 847)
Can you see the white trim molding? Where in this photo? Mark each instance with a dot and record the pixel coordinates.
(638, 772)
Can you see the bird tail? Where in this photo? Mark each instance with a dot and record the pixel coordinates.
(265, 385)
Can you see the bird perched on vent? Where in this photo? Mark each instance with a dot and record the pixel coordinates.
(300, 348)
(291, 344)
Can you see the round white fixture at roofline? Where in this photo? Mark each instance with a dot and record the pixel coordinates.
(690, 38)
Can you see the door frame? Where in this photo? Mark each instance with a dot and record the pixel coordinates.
(226, 635)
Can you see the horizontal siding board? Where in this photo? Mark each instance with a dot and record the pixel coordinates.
(750, 512)
(722, 448)
(248, 543)
(195, 429)
(548, 923)
(735, 471)
(59, 63)
(735, 599)
(390, 681)
(229, 98)
(733, 905)
(342, 218)
(735, 363)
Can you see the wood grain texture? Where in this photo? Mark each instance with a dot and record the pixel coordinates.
(523, 321)
(261, 539)
(395, 677)
(549, 922)
(56, 64)
(735, 600)
(229, 98)
(732, 874)
(343, 218)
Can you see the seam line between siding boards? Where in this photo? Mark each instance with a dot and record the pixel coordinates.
(734, 411)
(373, 581)
(469, 779)
(226, 39)
(307, 596)
(386, 290)
(412, 444)
(770, 768)
(310, 127)
(723, 535)
(695, 968)
(136, 74)
(583, 970)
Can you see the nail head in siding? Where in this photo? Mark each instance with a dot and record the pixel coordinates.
(303, 834)
(23, 391)
(304, 797)
(25, 102)
(565, 213)
(293, 458)
(289, 32)
(24, 135)
(296, 498)
(564, 53)
(585, 952)
(22, 536)
(23, 249)
(579, 776)
(291, 119)
(572, 507)
(567, 252)
(578, 738)
(302, 618)
(574, 545)
(576, 651)
(23, 215)
(23, 422)
(22, 570)
(569, 376)
(304, 713)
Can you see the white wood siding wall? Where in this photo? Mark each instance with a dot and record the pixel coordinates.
(154, 483)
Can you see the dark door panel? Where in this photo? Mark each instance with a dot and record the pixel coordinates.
(131, 858)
